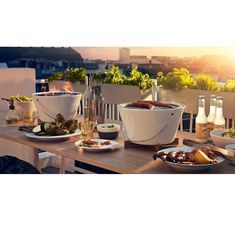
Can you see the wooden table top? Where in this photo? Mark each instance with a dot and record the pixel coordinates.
(121, 160)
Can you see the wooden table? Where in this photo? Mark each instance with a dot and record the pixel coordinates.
(120, 160)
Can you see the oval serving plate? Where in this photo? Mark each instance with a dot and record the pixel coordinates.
(189, 168)
(52, 138)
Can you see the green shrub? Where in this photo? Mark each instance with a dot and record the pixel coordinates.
(205, 82)
(58, 76)
(114, 76)
(229, 86)
(176, 80)
(70, 74)
(180, 79)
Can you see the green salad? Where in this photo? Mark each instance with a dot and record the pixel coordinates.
(59, 127)
(20, 98)
(229, 134)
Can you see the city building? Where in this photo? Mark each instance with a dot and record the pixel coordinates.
(160, 59)
(124, 55)
(45, 60)
(94, 66)
(139, 59)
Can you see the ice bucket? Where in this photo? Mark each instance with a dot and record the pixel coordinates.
(151, 127)
(48, 104)
(25, 109)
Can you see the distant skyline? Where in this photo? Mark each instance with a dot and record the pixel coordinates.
(112, 53)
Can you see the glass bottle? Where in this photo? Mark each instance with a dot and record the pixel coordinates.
(86, 100)
(12, 117)
(99, 108)
(219, 121)
(201, 121)
(87, 122)
(211, 116)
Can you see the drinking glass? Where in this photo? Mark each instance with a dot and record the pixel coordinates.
(87, 129)
(28, 118)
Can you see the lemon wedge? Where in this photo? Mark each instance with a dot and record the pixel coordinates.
(201, 157)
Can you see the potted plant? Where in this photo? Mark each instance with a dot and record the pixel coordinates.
(127, 88)
(179, 86)
(72, 79)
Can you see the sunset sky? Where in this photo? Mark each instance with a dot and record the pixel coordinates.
(111, 53)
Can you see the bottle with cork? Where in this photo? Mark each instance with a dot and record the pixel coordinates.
(211, 116)
(219, 121)
(201, 121)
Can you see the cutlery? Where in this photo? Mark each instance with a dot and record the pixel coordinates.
(229, 155)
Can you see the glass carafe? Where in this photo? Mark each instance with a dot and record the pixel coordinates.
(88, 121)
(99, 105)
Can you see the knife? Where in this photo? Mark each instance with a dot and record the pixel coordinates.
(229, 155)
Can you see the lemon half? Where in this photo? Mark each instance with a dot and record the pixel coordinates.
(201, 157)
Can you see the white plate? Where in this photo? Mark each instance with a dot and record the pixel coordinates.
(53, 138)
(230, 147)
(189, 168)
(112, 145)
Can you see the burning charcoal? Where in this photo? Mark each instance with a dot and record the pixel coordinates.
(150, 104)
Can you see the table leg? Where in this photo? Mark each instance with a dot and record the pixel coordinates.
(62, 165)
(36, 161)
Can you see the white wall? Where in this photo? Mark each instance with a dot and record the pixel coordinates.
(15, 81)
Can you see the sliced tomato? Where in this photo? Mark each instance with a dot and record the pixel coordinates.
(106, 143)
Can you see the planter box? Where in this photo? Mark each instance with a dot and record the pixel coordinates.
(112, 93)
(189, 97)
(67, 86)
(118, 94)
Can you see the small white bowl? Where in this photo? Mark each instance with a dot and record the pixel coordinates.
(106, 127)
(107, 132)
(219, 140)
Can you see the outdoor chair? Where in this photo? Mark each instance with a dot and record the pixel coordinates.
(14, 81)
(13, 165)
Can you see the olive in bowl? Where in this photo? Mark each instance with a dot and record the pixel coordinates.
(108, 131)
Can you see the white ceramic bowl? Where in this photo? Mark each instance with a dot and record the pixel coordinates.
(48, 104)
(151, 127)
(219, 140)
